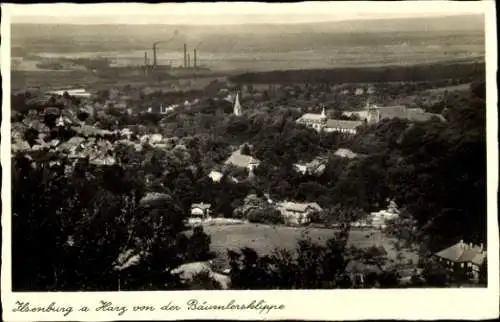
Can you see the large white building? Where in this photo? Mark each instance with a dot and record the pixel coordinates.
(373, 114)
(320, 122)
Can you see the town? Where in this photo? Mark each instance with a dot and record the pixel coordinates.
(307, 179)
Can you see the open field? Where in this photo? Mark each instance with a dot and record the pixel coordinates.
(265, 238)
(453, 88)
(45, 80)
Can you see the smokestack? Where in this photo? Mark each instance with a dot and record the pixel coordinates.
(145, 62)
(185, 56)
(194, 58)
(154, 56)
(189, 61)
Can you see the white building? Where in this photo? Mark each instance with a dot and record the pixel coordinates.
(297, 213)
(216, 176)
(342, 126)
(320, 122)
(200, 210)
(379, 218)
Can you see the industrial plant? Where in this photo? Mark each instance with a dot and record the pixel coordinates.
(188, 66)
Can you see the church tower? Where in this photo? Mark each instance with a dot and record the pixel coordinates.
(323, 114)
(237, 106)
(372, 114)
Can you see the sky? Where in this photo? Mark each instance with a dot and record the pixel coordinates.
(224, 13)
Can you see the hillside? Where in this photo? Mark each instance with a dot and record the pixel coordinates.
(254, 37)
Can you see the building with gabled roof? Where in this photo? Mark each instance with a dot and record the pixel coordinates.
(297, 213)
(342, 126)
(200, 210)
(462, 259)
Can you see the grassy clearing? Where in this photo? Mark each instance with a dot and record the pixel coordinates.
(265, 238)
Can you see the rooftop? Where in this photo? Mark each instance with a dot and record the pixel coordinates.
(463, 253)
(343, 124)
(201, 205)
(154, 196)
(345, 153)
(299, 206)
(241, 160)
(310, 117)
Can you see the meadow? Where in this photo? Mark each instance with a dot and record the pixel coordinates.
(266, 238)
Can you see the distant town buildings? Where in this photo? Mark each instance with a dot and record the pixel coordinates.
(79, 92)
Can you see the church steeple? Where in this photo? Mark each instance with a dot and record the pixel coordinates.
(323, 113)
(237, 106)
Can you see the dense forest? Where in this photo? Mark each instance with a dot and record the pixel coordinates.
(380, 74)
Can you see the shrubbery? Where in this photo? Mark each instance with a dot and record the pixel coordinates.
(265, 216)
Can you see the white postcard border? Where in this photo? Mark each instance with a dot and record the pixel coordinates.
(425, 304)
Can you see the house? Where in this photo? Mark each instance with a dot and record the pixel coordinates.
(216, 176)
(152, 197)
(379, 218)
(464, 260)
(345, 153)
(313, 120)
(200, 210)
(243, 161)
(297, 213)
(315, 167)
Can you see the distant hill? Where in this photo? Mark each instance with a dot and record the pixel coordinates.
(254, 37)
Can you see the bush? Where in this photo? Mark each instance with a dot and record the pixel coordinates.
(265, 216)
(203, 281)
(199, 246)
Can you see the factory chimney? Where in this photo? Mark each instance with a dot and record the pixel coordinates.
(185, 56)
(145, 62)
(154, 55)
(189, 61)
(194, 59)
